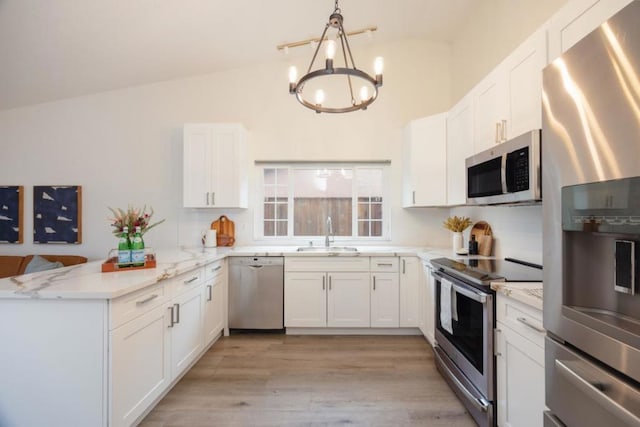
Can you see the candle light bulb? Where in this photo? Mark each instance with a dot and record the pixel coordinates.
(319, 96)
(364, 93)
(293, 74)
(331, 49)
(378, 65)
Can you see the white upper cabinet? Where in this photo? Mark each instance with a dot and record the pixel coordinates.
(577, 19)
(507, 102)
(424, 154)
(524, 77)
(490, 107)
(215, 166)
(459, 147)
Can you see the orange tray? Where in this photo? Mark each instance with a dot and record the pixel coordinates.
(111, 265)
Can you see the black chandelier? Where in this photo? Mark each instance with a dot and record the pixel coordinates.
(368, 92)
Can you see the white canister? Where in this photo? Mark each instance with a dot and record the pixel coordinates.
(210, 239)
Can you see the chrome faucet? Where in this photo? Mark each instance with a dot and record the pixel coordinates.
(329, 229)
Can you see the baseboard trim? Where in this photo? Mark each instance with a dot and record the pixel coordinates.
(353, 331)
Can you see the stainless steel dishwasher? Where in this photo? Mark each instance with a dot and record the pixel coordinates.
(256, 293)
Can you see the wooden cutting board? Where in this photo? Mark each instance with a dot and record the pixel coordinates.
(482, 231)
(225, 231)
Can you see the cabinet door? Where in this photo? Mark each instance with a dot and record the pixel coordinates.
(212, 310)
(459, 147)
(305, 299)
(430, 304)
(490, 107)
(410, 271)
(348, 302)
(524, 73)
(196, 165)
(424, 162)
(520, 380)
(186, 331)
(229, 172)
(140, 368)
(385, 310)
(577, 19)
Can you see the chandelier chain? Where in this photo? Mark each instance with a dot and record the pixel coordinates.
(336, 9)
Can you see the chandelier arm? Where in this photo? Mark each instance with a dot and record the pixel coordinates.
(346, 64)
(346, 41)
(315, 54)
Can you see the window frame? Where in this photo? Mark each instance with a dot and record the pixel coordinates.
(291, 167)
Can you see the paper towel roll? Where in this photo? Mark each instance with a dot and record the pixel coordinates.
(210, 239)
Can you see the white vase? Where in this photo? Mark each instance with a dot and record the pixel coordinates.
(457, 241)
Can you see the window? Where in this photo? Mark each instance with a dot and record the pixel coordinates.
(308, 201)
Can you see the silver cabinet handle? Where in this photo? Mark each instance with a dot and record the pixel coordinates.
(207, 198)
(146, 300)
(329, 282)
(385, 264)
(495, 342)
(177, 306)
(414, 197)
(374, 283)
(193, 279)
(526, 322)
(217, 268)
(404, 266)
(323, 282)
(172, 323)
(213, 198)
(209, 288)
(597, 391)
(498, 133)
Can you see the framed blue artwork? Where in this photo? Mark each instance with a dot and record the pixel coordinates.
(57, 214)
(11, 212)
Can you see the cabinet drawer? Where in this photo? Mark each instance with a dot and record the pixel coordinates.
(213, 269)
(384, 263)
(136, 304)
(328, 263)
(520, 317)
(185, 282)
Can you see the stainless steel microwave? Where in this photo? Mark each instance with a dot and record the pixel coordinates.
(507, 173)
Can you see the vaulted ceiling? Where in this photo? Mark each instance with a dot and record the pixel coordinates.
(54, 49)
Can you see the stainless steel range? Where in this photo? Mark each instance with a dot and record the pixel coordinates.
(465, 323)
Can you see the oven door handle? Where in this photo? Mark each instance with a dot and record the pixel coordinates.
(593, 391)
(478, 296)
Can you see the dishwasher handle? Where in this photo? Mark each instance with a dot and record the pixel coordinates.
(255, 267)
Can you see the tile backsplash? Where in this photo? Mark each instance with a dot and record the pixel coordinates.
(517, 230)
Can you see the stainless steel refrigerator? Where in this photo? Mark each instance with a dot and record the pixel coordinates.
(591, 208)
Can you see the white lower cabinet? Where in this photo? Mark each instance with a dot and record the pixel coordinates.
(186, 330)
(385, 305)
(348, 299)
(410, 271)
(318, 299)
(428, 303)
(140, 364)
(213, 301)
(519, 364)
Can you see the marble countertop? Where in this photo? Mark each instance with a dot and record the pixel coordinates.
(529, 293)
(86, 281)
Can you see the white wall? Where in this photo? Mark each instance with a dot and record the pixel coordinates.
(124, 146)
(494, 30)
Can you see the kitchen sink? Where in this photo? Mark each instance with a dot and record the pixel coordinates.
(327, 249)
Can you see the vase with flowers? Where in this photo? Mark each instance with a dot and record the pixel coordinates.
(132, 218)
(457, 225)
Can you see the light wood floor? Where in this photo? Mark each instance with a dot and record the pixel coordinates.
(278, 380)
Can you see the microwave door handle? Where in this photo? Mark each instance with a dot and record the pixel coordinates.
(503, 174)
